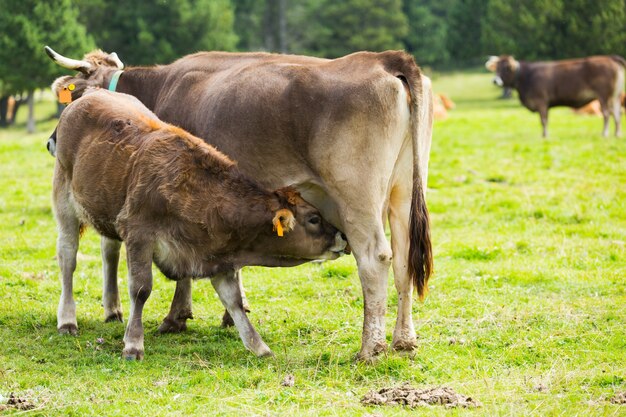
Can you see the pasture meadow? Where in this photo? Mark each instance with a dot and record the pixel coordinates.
(526, 311)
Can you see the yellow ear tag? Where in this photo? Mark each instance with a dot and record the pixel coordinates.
(278, 226)
(65, 96)
(71, 87)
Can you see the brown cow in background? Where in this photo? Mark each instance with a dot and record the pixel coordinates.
(573, 83)
(173, 200)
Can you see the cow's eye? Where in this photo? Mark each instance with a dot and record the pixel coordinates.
(315, 219)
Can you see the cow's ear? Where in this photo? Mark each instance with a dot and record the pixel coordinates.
(283, 221)
(290, 194)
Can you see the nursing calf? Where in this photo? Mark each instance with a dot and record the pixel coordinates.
(174, 201)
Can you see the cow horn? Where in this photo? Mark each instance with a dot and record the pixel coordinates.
(116, 59)
(283, 220)
(69, 63)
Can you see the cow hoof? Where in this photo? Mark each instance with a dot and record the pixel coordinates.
(132, 354)
(373, 354)
(114, 316)
(69, 328)
(407, 345)
(173, 326)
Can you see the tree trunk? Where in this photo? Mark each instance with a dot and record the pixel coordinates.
(30, 124)
(282, 25)
(269, 26)
(4, 107)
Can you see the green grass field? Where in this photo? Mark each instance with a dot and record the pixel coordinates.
(526, 311)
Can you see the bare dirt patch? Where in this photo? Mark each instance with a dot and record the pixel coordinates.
(17, 403)
(619, 398)
(413, 397)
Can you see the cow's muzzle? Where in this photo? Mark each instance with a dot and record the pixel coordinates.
(340, 245)
(498, 81)
(52, 146)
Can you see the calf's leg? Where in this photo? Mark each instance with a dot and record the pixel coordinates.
(227, 287)
(139, 287)
(110, 249)
(227, 320)
(180, 310)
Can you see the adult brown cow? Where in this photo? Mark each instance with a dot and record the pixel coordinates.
(173, 200)
(572, 83)
(351, 134)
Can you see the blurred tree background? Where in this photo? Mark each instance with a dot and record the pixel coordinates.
(442, 34)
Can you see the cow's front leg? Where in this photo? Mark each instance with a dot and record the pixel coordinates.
(139, 287)
(110, 249)
(180, 310)
(227, 320)
(543, 115)
(227, 288)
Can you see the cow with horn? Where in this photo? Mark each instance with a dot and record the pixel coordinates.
(351, 134)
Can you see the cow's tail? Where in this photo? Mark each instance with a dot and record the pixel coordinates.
(420, 262)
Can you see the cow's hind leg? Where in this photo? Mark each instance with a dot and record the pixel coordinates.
(110, 249)
(606, 115)
(68, 226)
(404, 338)
(373, 255)
(617, 116)
(227, 320)
(227, 288)
(139, 287)
(180, 310)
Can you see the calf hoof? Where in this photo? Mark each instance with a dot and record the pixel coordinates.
(267, 354)
(114, 316)
(372, 354)
(68, 328)
(132, 354)
(227, 320)
(173, 326)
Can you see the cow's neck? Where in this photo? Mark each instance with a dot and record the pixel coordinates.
(143, 83)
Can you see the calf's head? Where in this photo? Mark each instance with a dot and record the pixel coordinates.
(95, 70)
(298, 231)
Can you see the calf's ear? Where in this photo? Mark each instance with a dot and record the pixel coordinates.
(283, 221)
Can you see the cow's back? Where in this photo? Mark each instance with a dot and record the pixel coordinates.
(571, 82)
(96, 139)
(265, 110)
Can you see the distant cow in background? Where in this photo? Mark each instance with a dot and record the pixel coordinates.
(573, 83)
(173, 200)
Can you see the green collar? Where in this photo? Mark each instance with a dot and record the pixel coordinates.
(114, 79)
